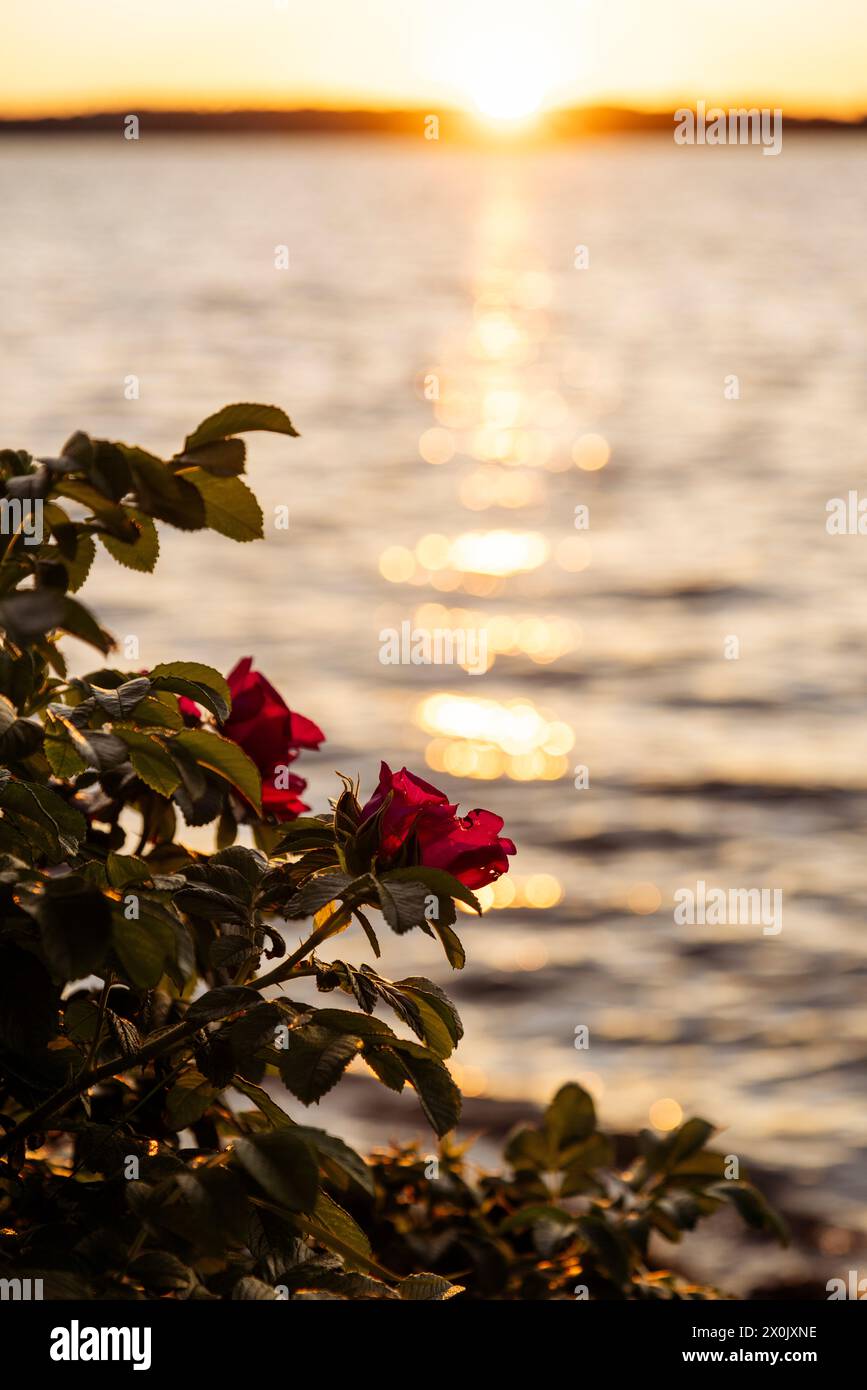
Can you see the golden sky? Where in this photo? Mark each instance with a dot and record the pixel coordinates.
(502, 56)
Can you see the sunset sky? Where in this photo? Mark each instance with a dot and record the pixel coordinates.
(504, 57)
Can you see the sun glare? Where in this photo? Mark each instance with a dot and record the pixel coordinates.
(503, 78)
(507, 95)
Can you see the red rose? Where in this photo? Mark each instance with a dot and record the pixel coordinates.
(189, 709)
(468, 847)
(271, 735)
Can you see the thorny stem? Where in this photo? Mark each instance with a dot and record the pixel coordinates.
(54, 1106)
(100, 1019)
(286, 968)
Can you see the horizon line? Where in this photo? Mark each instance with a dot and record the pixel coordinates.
(552, 121)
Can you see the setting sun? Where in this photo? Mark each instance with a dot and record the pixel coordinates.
(503, 75)
(507, 92)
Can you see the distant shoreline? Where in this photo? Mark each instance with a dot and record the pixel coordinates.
(456, 125)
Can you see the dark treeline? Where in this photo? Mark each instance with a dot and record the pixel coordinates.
(562, 125)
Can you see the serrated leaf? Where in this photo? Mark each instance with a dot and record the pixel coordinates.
(437, 881)
(188, 1100)
(403, 903)
(120, 702)
(340, 1224)
(342, 1165)
(197, 681)
(260, 1098)
(314, 1060)
(283, 1166)
(438, 1095)
(142, 553)
(430, 1287)
(153, 764)
(122, 869)
(64, 758)
(143, 946)
(226, 758)
(230, 507)
(441, 1026)
(236, 419)
(39, 804)
(223, 457)
(161, 493)
(218, 1003)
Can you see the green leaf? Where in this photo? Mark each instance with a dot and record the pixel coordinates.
(63, 757)
(451, 944)
(283, 1166)
(148, 755)
(29, 613)
(226, 758)
(218, 1003)
(527, 1151)
(230, 506)
(440, 1022)
(224, 457)
(314, 1060)
(570, 1117)
(540, 1213)
(79, 622)
(342, 1165)
(78, 563)
(316, 894)
(438, 1095)
(188, 1100)
(403, 903)
(120, 702)
(197, 681)
(687, 1140)
(142, 553)
(161, 493)
(260, 1098)
(752, 1208)
(43, 807)
(235, 419)
(143, 947)
(158, 713)
(340, 1224)
(430, 1287)
(437, 881)
(609, 1245)
(117, 520)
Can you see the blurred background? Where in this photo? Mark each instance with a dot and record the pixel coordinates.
(474, 338)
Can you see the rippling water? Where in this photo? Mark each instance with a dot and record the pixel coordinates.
(432, 309)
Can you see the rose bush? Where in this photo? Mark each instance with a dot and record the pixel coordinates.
(154, 1024)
